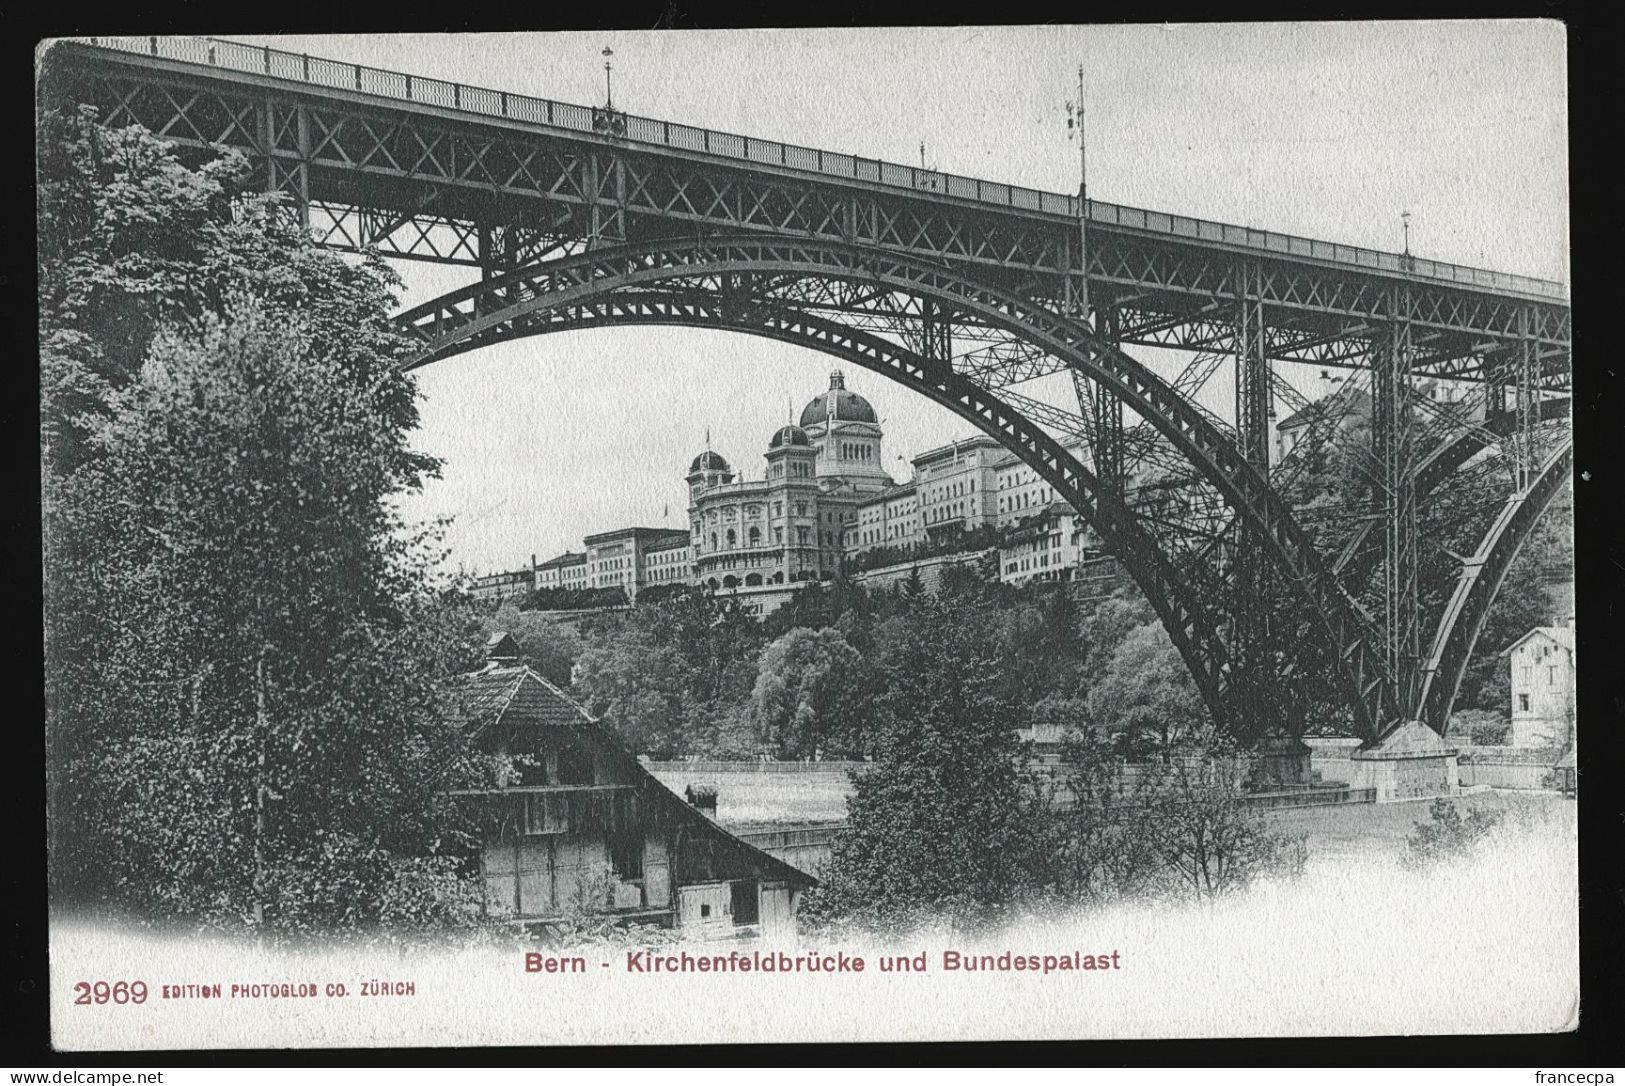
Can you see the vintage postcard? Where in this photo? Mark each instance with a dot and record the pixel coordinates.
(820, 535)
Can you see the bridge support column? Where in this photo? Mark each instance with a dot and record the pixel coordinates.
(606, 189)
(1526, 454)
(287, 169)
(1106, 437)
(1249, 602)
(1280, 762)
(1412, 762)
(1393, 424)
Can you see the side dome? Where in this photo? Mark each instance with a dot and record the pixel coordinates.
(789, 435)
(708, 461)
(838, 403)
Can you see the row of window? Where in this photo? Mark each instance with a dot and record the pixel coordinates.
(1551, 675)
(731, 512)
(754, 537)
(1026, 499)
(853, 451)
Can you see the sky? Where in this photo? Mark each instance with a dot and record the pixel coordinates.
(1325, 130)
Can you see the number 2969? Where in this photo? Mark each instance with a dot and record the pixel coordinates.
(86, 993)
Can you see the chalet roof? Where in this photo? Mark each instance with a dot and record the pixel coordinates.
(518, 697)
(517, 694)
(1563, 635)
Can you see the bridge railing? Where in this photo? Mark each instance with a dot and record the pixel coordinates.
(280, 64)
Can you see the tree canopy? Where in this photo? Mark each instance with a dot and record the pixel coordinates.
(246, 648)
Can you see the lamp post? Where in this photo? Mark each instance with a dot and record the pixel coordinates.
(609, 97)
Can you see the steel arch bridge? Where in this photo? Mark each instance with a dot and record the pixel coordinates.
(963, 290)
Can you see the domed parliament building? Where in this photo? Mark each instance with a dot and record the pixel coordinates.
(823, 497)
(791, 524)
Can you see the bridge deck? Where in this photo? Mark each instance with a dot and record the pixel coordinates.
(584, 121)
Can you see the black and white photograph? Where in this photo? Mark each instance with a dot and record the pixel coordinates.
(824, 535)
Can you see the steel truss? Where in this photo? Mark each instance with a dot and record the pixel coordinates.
(433, 178)
(560, 213)
(459, 322)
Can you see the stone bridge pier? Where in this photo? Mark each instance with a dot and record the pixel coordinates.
(1411, 761)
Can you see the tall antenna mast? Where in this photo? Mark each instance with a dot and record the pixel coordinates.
(1074, 121)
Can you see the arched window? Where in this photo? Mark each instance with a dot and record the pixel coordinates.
(733, 538)
(752, 580)
(755, 537)
(713, 541)
(730, 581)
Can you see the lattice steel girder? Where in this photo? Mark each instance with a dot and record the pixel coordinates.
(1392, 435)
(1184, 277)
(1480, 581)
(422, 236)
(1252, 367)
(346, 147)
(699, 262)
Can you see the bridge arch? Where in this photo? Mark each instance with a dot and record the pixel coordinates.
(745, 281)
(1189, 626)
(1480, 582)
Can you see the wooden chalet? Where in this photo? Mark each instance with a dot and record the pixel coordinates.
(581, 827)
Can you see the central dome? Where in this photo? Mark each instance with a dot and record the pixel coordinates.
(837, 403)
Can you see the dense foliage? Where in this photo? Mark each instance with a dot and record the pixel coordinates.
(245, 651)
(949, 817)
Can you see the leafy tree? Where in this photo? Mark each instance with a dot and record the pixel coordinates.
(668, 676)
(243, 646)
(1146, 699)
(1102, 628)
(634, 682)
(131, 240)
(1213, 844)
(949, 816)
(802, 705)
(1101, 847)
(585, 599)
(256, 734)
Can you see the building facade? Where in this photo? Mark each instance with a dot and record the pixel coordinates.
(620, 559)
(496, 587)
(823, 499)
(760, 538)
(1541, 673)
(579, 825)
(568, 570)
(1048, 544)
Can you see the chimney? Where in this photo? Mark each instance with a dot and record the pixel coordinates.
(703, 798)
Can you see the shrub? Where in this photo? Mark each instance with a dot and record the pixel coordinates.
(1447, 835)
(1483, 727)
